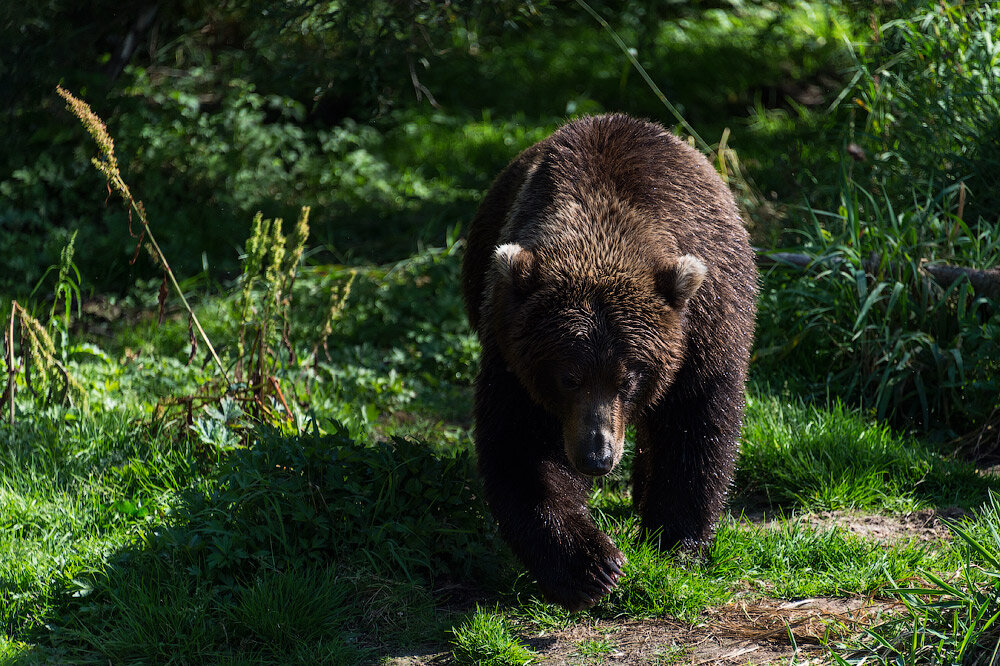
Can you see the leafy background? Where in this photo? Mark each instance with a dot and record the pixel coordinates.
(150, 515)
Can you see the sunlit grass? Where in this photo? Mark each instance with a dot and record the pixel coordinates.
(129, 538)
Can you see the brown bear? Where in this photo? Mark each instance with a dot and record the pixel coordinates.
(610, 280)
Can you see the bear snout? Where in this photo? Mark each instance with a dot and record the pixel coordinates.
(594, 438)
(596, 453)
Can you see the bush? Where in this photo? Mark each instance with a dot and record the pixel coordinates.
(930, 92)
(890, 338)
(210, 135)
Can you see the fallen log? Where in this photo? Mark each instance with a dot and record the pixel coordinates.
(985, 282)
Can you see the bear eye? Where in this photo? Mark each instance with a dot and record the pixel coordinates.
(630, 382)
(568, 382)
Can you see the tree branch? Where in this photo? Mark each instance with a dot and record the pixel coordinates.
(985, 282)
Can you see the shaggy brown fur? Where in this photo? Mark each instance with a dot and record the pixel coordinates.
(609, 277)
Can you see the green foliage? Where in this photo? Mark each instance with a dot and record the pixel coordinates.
(409, 318)
(210, 134)
(950, 620)
(282, 610)
(895, 340)
(793, 561)
(32, 197)
(276, 545)
(922, 104)
(393, 507)
(595, 650)
(658, 586)
(797, 456)
(72, 492)
(396, 42)
(67, 292)
(127, 543)
(150, 613)
(486, 638)
(784, 560)
(930, 93)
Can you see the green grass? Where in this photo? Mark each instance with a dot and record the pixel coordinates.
(487, 638)
(951, 619)
(354, 529)
(595, 650)
(787, 561)
(71, 494)
(127, 541)
(805, 457)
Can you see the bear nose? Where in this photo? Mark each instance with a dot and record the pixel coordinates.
(596, 464)
(597, 459)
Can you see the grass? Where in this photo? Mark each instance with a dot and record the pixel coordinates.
(916, 351)
(349, 527)
(811, 458)
(487, 638)
(595, 650)
(124, 540)
(951, 619)
(130, 541)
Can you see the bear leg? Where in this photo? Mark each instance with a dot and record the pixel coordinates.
(537, 499)
(685, 457)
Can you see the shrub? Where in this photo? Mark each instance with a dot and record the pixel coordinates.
(930, 90)
(887, 335)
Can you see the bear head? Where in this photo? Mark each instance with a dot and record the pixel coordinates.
(594, 348)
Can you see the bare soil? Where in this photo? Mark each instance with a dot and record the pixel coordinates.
(925, 526)
(744, 632)
(756, 632)
(747, 631)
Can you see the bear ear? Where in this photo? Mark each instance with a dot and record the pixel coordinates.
(516, 267)
(679, 279)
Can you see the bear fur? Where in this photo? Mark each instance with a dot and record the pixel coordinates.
(609, 277)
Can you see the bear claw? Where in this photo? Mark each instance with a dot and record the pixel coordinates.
(589, 585)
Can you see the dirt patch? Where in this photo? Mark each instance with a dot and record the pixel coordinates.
(925, 526)
(756, 632)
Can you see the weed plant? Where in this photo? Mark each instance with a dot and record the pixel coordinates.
(894, 340)
(66, 293)
(953, 618)
(486, 639)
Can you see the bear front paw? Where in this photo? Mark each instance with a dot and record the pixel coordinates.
(583, 578)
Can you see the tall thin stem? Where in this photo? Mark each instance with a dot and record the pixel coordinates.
(642, 71)
(11, 373)
(109, 167)
(173, 281)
